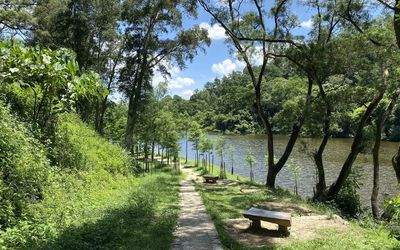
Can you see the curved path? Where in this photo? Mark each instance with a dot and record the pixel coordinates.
(196, 230)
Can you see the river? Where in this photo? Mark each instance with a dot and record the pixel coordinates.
(334, 156)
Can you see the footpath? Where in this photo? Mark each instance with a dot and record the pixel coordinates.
(195, 231)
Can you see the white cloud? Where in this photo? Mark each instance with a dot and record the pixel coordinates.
(256, 56)
(215, 32)
(226, 67)
(186, 94)
(180, 82)
(307, 24)
(157, 78)
(175, 80)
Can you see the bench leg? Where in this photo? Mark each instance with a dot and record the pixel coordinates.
(256, 224)
(283, 229)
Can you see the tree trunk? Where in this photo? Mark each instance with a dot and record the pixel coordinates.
(212, 164)
(396, 22)
(274, 169)
(396, 164)
(197, 154)
(162, 155)
(130, 124)
(375, 153)
(318, 156)
(100, 119)
(186, 146)
(152, 150)
(355, 148)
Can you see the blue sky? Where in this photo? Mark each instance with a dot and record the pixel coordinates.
(217, 61)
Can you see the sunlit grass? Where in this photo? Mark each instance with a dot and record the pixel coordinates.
(228, 202)
(99, 212)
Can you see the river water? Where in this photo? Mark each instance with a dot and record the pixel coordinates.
(335, 154)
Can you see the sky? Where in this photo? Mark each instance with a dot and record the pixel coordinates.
(216, 61)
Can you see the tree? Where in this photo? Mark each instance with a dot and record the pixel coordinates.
(16, 18)
(246, 27)
(220, 148)
(295, 171)
(231, 153)
(380, 120)
(195, 134)
(206, 147)
(90, 29)
(87, 27)
(251, 161)
(323, 57)
(44, 83)
(146, 23)
(396, 164)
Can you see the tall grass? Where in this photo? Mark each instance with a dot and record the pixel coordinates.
(90, 197)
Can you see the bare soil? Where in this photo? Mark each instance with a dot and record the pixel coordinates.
(303, 228)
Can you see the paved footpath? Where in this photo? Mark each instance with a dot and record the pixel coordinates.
(195, 231)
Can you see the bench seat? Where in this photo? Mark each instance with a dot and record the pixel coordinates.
(210, 178)
(284, 220)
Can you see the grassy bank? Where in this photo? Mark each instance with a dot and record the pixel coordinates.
(117, 214)
(227, 202)
(80, 192)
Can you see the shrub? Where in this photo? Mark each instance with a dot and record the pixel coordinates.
(348, 200)
(24, 169)
(392, 208)
(41, 83)
(80, 148)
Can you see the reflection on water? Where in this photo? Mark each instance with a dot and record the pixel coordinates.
(335, 154)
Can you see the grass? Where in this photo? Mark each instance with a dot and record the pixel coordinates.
(90, 196)
(143, 216)
(126, 213)
(228, 202)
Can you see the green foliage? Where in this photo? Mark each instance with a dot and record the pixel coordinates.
(392, 207)
(115, 122)
(16, 17)
(206, 144)
(195, 134)
(348, 200)
(250, 158)
(220, 147)
(78, 147)
(88, 27)
(295, 171)
(227, 203)
(24, 169)
(42, 83)
(97, 210)
(251, 161)
(85, 202)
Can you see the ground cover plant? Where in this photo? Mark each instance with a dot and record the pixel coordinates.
(226, 203)
(94, 200)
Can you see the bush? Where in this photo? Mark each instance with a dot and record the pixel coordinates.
(78, 147)
(392, 208)
(41, 83)
(24, 169)
(348, 200)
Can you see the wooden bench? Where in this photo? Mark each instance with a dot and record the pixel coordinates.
(210, 178)
(284, 220)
